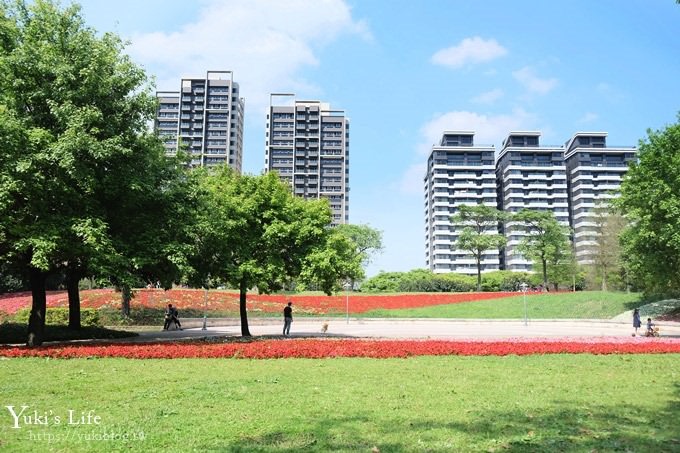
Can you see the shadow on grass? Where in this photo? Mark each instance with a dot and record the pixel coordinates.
(569, 427)
(13, 333)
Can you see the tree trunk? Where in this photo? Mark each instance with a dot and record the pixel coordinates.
(545, 274)
(479, 274)
(36, 321)
(604, 278)
(72, 280)
(126, 296)
(242, 308)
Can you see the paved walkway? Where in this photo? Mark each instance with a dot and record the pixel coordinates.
(421, 328)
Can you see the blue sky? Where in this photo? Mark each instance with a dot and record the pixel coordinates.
(404, 71)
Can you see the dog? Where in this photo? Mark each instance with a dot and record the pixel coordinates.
(324, 327)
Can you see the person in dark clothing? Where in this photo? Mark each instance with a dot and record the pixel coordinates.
(287, 318)
(171, 315)
(636, 320)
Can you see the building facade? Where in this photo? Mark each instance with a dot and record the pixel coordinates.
(571, 181)
(529, 176)
(458, 173)
(594, 174)
(307, 144)
(205, 118)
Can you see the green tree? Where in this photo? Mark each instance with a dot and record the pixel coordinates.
(546, 240)
(650, 200)
(562, 268)
(151, 224)
(479, 234)
(252, 232)
(73, 109)
(606, 252)
(332, 264)
(366, 242)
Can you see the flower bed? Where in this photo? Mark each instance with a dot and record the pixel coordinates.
(327, 348)
(228, 301)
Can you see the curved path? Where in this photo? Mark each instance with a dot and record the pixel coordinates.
(422, 328)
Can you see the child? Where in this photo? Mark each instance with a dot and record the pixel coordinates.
(650, 327)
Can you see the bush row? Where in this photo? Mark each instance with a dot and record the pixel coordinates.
(421, 280)
(89, 317)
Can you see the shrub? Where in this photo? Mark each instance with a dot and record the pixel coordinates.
(419, 281)
(425, 281)
(89, 317)
(506, 280)
(384, 282)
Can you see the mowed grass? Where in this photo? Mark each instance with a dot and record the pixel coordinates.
(531, 403)
(578, 305)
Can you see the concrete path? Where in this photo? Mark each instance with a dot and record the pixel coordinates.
(420, 328)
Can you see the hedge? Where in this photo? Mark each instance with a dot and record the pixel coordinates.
(89, 317)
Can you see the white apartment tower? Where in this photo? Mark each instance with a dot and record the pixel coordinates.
(205, 117)
(594, 174)
(307, 144)
(529, 176)
(458, 173)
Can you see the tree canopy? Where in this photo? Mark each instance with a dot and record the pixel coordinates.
(348, 250)
(74, 111)
(252, 232)
(650, 200)
(546, 241)
(479, 232)
(606, 254)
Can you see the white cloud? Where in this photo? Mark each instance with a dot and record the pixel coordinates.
(489, 97)
(532, 82)
(489, 129)
(470, 50)
(589, 117)
(265, 43)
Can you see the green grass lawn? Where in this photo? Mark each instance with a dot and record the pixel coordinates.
(531, 403)
(578, 305)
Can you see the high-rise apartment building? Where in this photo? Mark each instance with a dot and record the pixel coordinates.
(529, 176)
(570, 181)
(205, 117)
(594, 174)
(307, 144)
(458, 173)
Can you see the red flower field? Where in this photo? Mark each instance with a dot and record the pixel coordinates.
(328, 348)
(227, 301)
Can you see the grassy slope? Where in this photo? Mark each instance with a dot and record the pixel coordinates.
(583, 305)
(533, 403)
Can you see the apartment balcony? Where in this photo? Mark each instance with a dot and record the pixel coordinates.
(588, 196)
(606, 187)
(614, 178)
(623, 167)
(582, 216)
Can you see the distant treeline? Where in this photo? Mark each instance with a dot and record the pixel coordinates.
(422, 280)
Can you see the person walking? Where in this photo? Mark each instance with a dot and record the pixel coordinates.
(636, 320)
(287, 318)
